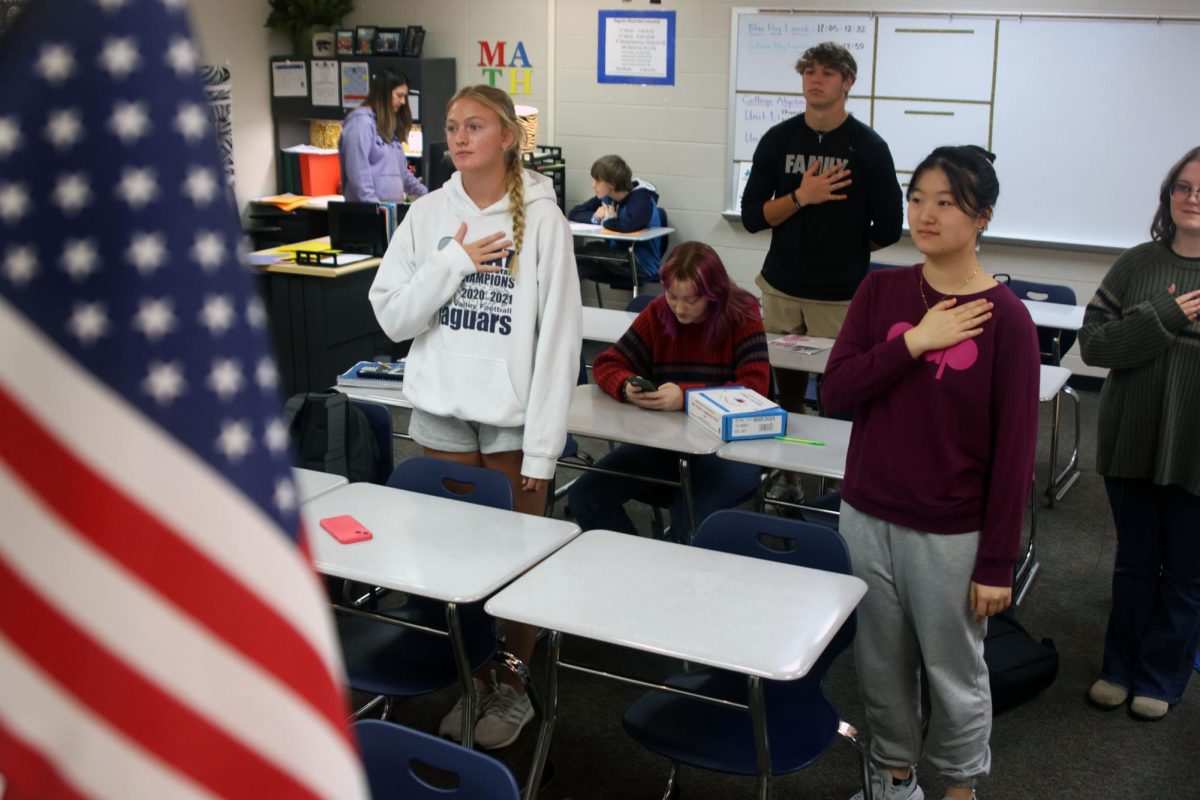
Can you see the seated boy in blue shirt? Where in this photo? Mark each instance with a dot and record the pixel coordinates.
(624, 204)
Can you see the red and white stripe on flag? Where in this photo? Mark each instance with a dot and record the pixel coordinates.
(162, 634)
(157, 638)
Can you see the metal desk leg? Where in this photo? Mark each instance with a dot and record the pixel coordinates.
(633, 276)
(685, 486)
(1053, 448)
(758, 718)
(1027, 568)
(542, 750)
(1060, 482)
(459, 649)
(760, 494)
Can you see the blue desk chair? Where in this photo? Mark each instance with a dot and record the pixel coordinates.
(638, 304)
(390, 751)
(825, 510)
(380, 419)
(801, 722)
(485, 487)
(389, 660)
(1053, 344)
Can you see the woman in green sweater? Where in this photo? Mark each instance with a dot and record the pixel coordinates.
(1142, 325)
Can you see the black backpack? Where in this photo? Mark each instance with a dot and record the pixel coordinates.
(331, 435)
(1018, 665)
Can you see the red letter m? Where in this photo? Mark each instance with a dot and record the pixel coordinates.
(490, 56)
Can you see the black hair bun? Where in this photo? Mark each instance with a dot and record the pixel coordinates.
(987, 154)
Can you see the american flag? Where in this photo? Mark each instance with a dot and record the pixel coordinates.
(161, 632)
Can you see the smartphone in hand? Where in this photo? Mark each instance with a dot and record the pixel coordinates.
(645, 384)
(346, 529)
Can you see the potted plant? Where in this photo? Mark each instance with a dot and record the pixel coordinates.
(300, 19)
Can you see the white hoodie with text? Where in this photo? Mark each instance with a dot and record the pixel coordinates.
(487, 348)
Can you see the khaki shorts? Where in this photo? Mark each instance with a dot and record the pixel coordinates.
(783, 313)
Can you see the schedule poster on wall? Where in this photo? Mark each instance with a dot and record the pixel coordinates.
(636, 47)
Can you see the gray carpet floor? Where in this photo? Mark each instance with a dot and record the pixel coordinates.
(1055, 746)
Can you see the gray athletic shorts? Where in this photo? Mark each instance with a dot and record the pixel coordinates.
(452, 435)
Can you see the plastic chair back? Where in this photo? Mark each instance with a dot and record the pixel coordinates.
(1047, 293)
(824, 510)
(485, 487)
(390, 750)
(638, 304)
(664, 241)
(380, 420)
(785, 540)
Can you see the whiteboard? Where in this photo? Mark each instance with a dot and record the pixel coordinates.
(1089, 116)
(1085, 115)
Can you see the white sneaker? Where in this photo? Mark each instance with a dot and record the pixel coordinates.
(504, 716)
(451, 725)
(884, 788)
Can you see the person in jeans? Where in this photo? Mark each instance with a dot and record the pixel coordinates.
(1142, 325)
(703, 331)
(941, 363)
(624, 204)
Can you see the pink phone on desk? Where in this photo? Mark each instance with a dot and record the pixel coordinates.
(346, 529)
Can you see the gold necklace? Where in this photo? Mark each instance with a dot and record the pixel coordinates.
(921, 286)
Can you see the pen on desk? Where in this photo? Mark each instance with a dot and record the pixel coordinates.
(794, 440)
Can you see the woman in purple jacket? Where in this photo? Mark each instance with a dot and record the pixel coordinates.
(940, 364)
(374, 167)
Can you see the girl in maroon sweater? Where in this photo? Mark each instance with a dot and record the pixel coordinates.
(704, 331)
(940, 364)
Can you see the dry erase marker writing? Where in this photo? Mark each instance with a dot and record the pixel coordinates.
(794, 440)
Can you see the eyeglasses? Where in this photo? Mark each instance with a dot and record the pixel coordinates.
(1182, 191)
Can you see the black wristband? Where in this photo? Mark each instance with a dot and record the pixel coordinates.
(794, 200)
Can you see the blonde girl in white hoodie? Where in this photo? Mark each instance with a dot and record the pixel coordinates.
(481, 276)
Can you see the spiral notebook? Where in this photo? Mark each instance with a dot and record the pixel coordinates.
(374, 374)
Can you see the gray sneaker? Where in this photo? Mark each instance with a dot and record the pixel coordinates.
(451, 724)
(504, 715)
(884, 788)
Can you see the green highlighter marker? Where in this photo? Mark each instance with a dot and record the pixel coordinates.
(794, 440)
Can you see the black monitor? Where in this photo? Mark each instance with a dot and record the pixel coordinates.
(440, 165)
(357, 228)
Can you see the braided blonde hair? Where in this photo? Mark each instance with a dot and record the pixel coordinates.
(514, 177)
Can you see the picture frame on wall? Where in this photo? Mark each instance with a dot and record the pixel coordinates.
(388, 41)
(345, 42)
(364, 40)
(414, 40)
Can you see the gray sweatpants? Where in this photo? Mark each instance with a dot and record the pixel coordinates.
(916, 611)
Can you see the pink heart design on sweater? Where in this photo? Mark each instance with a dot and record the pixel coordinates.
(960, 356)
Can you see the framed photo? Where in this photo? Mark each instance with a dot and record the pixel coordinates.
(364, 40)
(413, 40)
(345, 43)
(388, 40)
